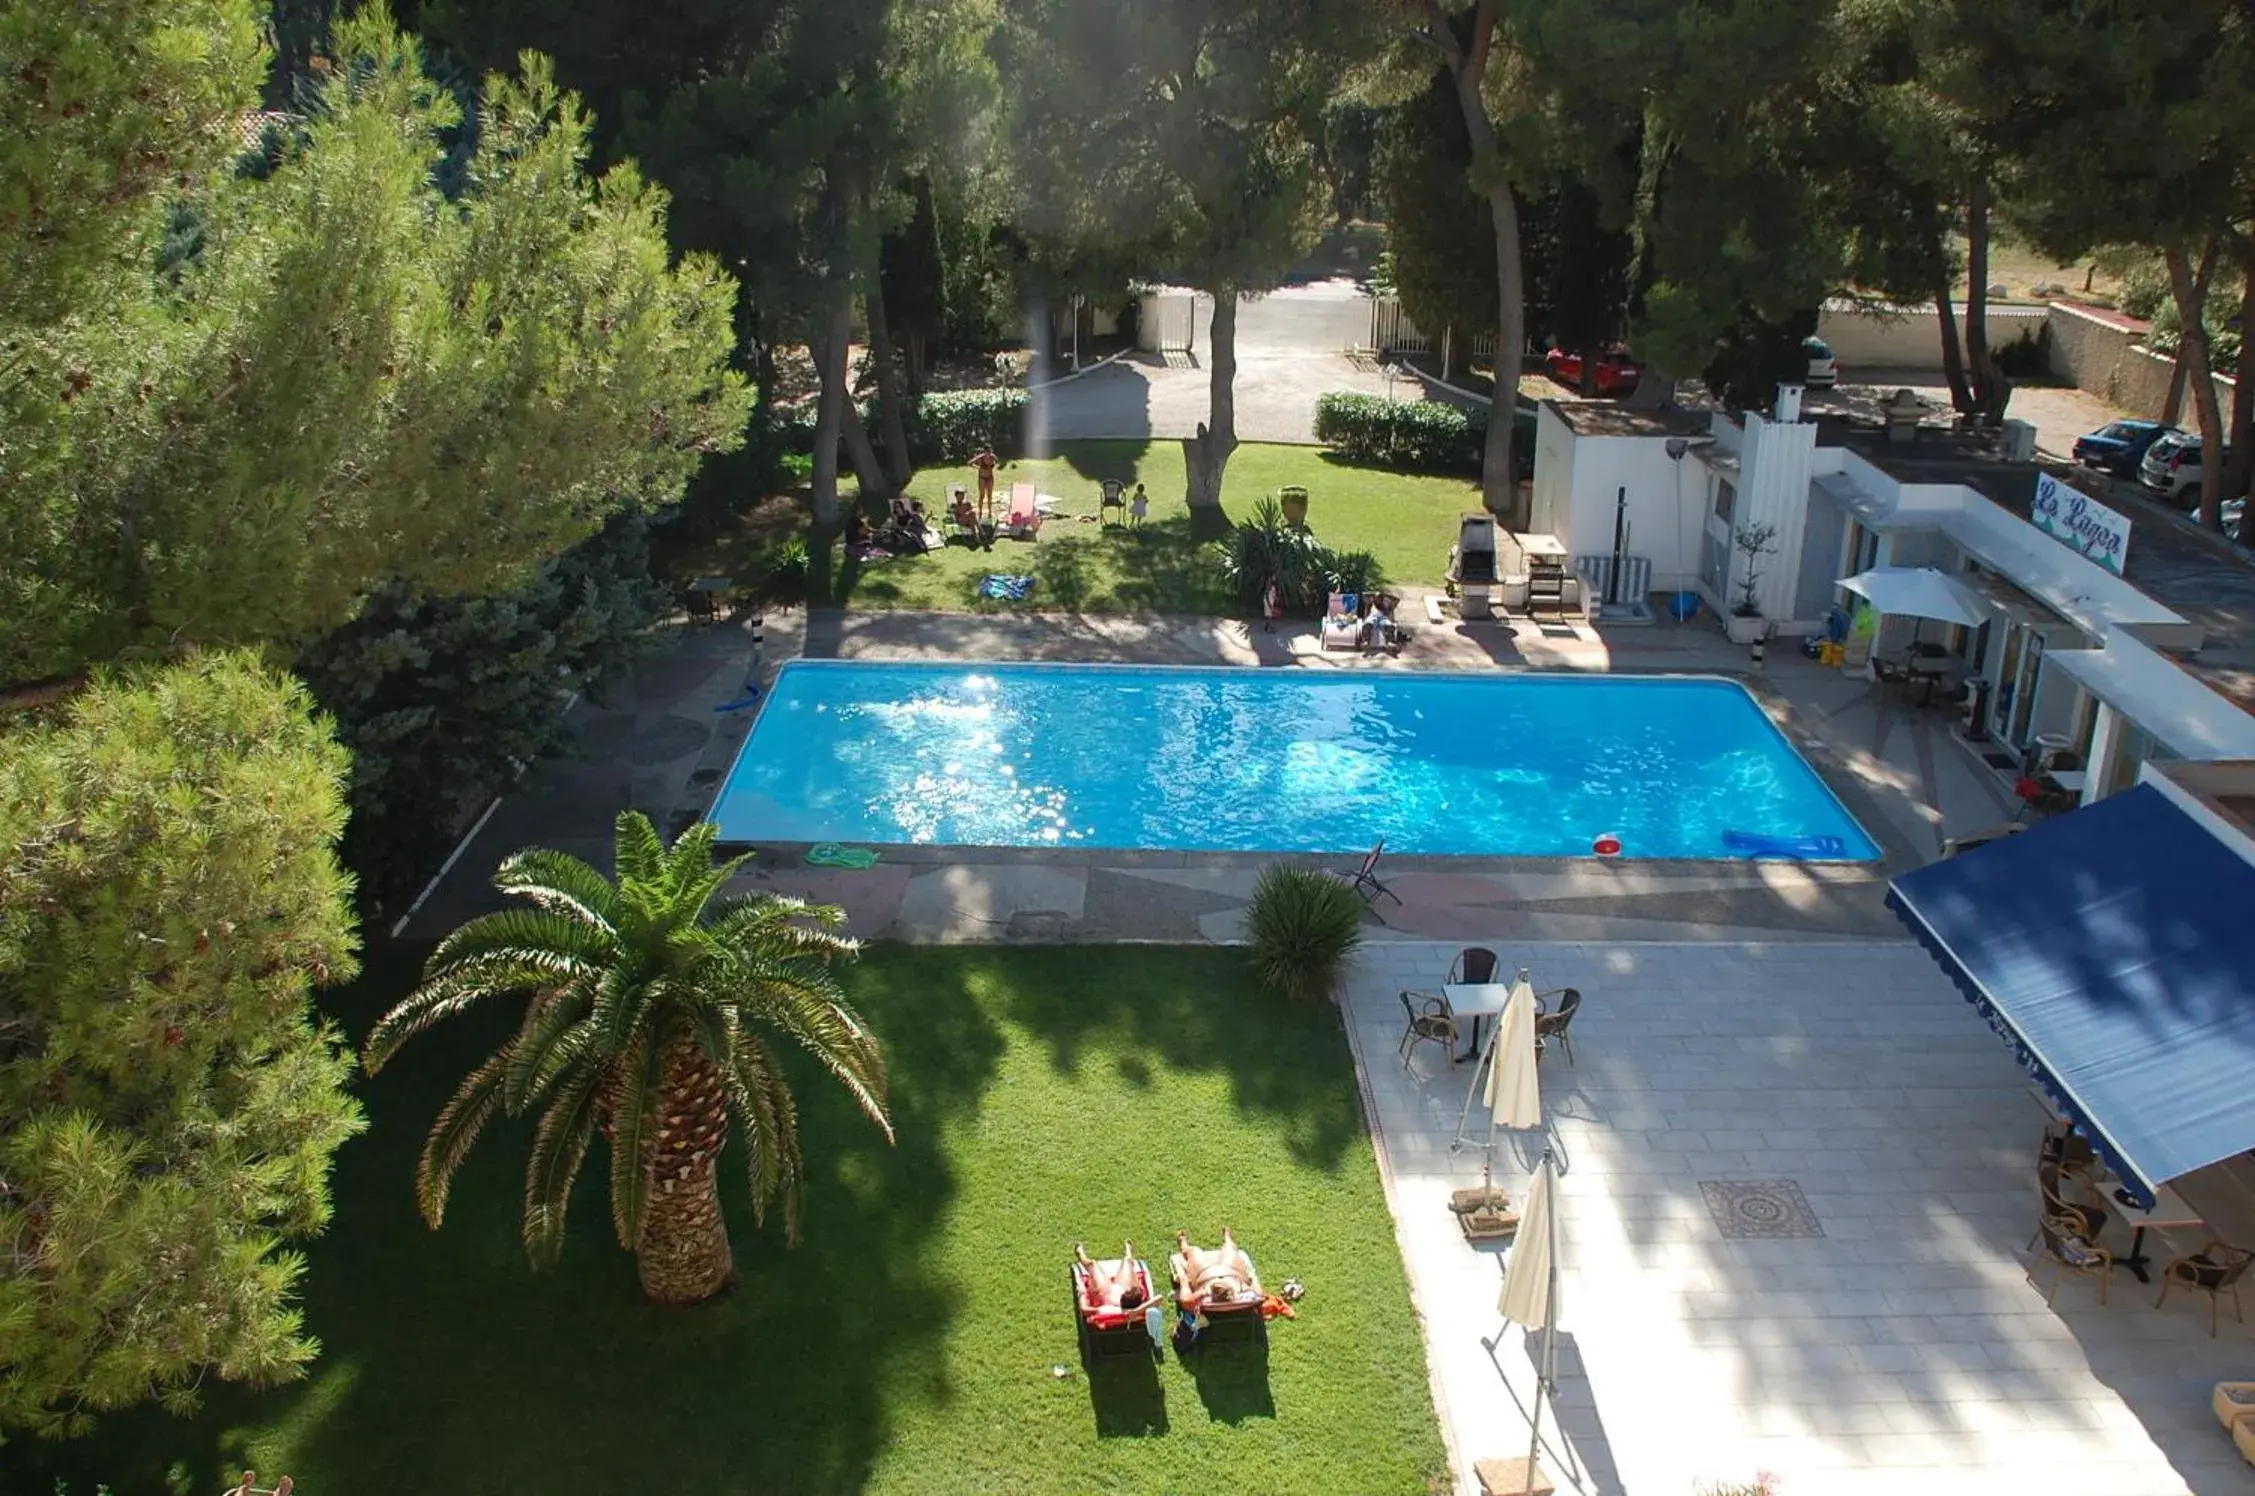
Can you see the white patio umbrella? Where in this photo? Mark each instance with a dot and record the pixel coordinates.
(1506, 1080)
(1530, 1290)
(1919, 592)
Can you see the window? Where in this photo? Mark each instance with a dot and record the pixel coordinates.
(1726, 499)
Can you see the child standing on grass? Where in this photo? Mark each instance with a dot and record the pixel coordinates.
(1138, 507)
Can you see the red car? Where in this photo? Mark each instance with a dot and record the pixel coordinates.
(1616, 375)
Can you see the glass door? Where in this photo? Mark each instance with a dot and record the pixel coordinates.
(2024, 694)
(2007, 694)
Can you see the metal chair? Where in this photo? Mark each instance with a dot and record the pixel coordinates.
(1474, 965)
(1554, 1025)
(2069, 1251)
(1430, 1022)
(1111, 497)
(1365, 878)
(2215, 1268)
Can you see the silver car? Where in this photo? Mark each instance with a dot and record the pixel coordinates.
(2172, 465)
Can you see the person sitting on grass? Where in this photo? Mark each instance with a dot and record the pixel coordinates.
(1120, 1287)
(1222, 1276)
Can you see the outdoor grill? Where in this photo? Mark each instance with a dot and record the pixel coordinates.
(1473, 565)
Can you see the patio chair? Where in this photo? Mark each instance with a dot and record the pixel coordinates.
(2216, 1269)
(702, 607)
(1113, 497)
(1554, 1024)
(1430, 1022)
(1474, 966)
(1109, 1333)
(1239, 1319)
(2065, 1150)
(1342, 622)
(1023, 521)
(2069, 1251)
(2089, 1216)
(1364, 879)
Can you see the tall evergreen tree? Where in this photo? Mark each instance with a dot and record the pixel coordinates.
(169, 1101)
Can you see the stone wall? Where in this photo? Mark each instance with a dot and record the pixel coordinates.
(2098, 355)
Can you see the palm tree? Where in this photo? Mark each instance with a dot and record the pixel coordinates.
(645, 1006)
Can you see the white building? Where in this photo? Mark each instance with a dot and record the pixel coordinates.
(2069, 651)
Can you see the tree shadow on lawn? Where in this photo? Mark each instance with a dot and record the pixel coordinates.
(1197, 1010)
(1098, 460)
(445, 1351)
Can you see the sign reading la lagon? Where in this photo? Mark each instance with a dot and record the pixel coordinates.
(2076, 519)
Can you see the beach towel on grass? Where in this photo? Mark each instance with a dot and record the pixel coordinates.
(1005, 589)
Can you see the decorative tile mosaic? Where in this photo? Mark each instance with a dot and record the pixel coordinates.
(1745, 1208)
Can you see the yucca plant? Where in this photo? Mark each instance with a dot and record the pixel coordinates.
(644, 1006)
(1304, 926)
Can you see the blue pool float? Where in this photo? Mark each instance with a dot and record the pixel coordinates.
(1755, 844)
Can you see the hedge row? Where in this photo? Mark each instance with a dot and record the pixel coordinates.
(1416, 436)
(949, 426)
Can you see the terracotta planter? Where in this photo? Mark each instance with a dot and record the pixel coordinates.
(1294, 502)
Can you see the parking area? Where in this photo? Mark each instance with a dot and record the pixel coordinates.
(1867, 1324)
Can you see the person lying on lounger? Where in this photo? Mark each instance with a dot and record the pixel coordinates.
(1117, 1287)
(1222, 1276)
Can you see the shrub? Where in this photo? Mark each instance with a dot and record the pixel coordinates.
(952, 425)
(1413, 436)
(1264, 547)
(1354, 571)
(1304, 925)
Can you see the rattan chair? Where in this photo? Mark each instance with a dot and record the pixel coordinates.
(1475, 965)
(2069, 1251)
(2215, 1268)
(1554, 1024)
(1430, 1022)
(2089, 1216)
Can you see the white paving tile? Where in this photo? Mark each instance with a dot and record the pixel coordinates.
(1903, 1350)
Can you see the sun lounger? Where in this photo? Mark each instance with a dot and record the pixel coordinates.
(1364, 880)
(1239, 1319)
(1023, 521)
(1342, 622)
(1111, 1332)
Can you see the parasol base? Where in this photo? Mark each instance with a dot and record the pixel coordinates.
(1517, 1476)
(1478, 1197)
(1488, 1224)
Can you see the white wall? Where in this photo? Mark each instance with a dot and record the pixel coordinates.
(1909, 337)
(1773, 490)
(1551, 511)
(1664, 504)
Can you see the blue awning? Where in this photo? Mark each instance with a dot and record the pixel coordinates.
(2114, 949)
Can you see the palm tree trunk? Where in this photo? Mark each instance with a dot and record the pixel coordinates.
(684, 1256)
(2191, 293)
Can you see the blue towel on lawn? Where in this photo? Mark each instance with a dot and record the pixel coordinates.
(1005, 589)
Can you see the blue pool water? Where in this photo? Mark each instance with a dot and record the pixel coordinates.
(1100, 756)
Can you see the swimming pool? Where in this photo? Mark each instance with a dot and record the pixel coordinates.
(1109, 756)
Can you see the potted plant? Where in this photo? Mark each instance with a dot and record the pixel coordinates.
(1294, 501)
(1746, 623)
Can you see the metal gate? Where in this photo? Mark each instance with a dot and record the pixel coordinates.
(1392, 332)
(1174, 323)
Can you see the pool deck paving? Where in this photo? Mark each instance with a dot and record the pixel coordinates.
(1883, 1338)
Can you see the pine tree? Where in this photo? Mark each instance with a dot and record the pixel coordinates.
(169, 1099)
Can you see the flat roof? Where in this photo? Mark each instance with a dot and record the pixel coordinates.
(1611, 418)
(2160, 696)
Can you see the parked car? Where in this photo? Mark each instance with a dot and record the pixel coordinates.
(1616, 373)
(2172, 465)
(2119, 446)
(1824, 369)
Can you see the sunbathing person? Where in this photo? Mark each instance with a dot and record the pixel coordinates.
(1120, 1287)
(1223, 1276)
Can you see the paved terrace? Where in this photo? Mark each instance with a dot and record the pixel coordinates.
(654, 742)
(1883, 1339)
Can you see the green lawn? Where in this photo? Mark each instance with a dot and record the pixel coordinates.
(907, 1345)
(1407, 522)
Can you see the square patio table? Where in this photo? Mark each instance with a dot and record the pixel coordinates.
(1483, 1000)
(2169, 1210)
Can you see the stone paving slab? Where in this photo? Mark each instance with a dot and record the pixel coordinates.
(1904, 1350)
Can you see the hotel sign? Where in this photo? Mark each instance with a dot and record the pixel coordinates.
(2077, 520)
